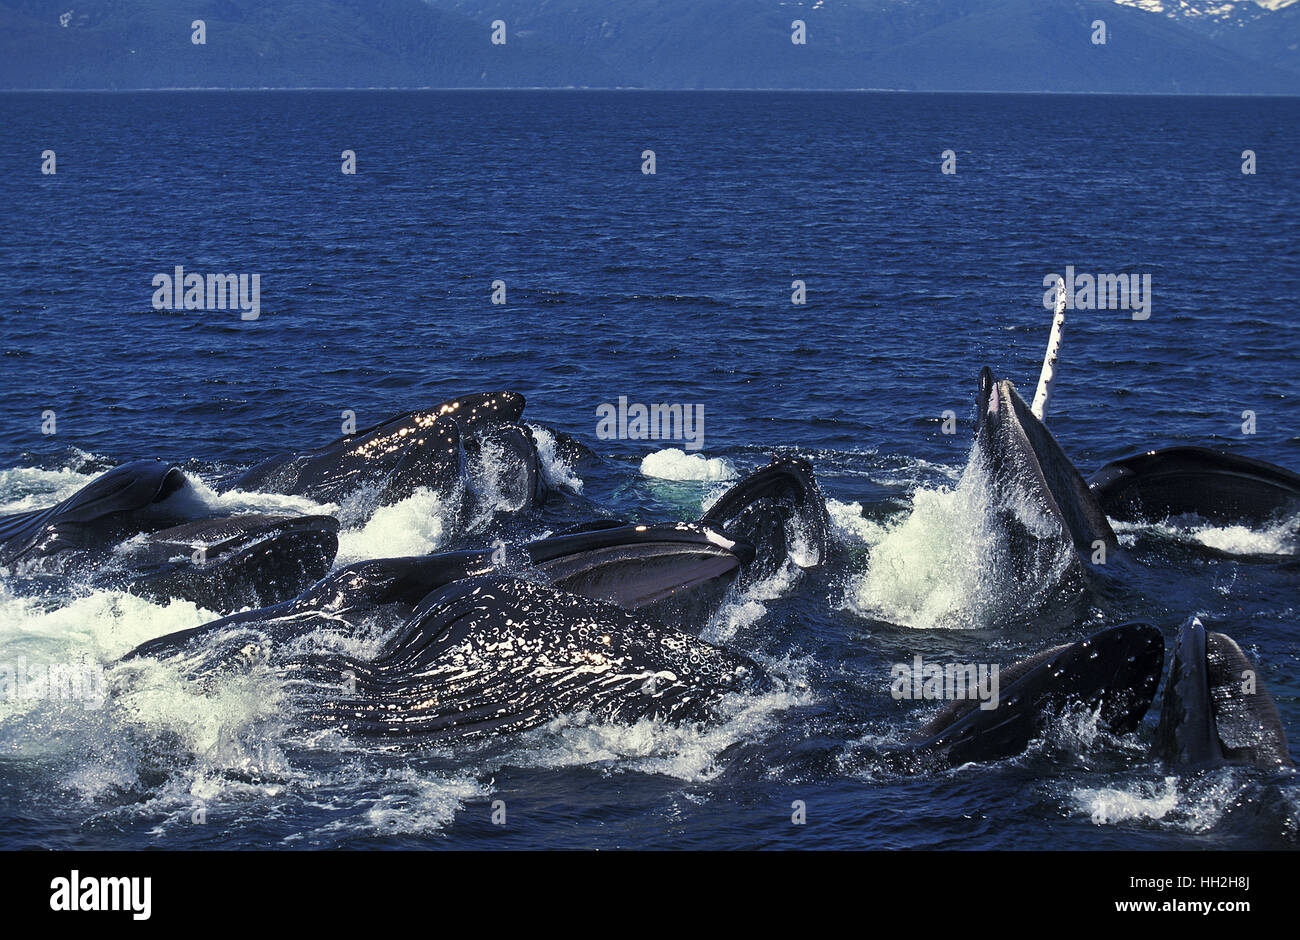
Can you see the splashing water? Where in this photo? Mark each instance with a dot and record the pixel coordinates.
(1109, 805)
(1279, 538)
(556, 472)
(960, 558)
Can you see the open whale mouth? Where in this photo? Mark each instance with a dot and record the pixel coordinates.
(1003, 426)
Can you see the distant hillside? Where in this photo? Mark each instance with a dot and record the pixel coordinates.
(962, 45)
(269, 43)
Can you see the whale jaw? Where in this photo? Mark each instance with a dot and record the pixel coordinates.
(1216, 709)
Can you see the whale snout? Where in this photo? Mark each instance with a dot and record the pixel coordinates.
(987, 397)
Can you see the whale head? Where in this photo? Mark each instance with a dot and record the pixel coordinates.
(1216, 709)
(1021, 454)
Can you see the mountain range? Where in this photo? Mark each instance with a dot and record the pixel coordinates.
(1151, 46)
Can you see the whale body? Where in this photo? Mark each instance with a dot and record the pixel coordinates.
(1116, 672)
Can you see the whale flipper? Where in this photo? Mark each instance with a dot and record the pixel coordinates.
(493, 655)
(1116, 671)
(1222, 488)
(1216, 709)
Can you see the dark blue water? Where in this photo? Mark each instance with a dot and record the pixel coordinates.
(675, 287)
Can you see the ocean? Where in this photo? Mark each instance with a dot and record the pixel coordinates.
(376, 294)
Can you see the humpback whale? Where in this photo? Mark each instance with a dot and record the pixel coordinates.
(479, 654)
(492, 655)
(780, 511)
(1116, 671)
(398, 455)
(394, 458)
(1047, 544)
(509, 452)
(122, 530)
(1216, 709)
(232, 562)
(673, 573)
(384, 591)
(605, 623)
(1023, 457)
(602, 617)
(1222, 488)
(116, 505)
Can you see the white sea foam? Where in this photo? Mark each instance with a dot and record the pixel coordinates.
(742, 610)
(412, 803)
(557, 473)
(1107, 806)
(1279, 538)
(950, 562)
(417, 525)
(149, 711)
(673, 463)
(1191, 803)
(241, 501)
(686, 752)
(26, 488)
(849, 527)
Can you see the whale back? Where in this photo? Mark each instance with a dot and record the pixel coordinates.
(397, 455)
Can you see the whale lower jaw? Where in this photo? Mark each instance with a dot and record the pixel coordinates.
(1223, 488)
(1115, 672)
